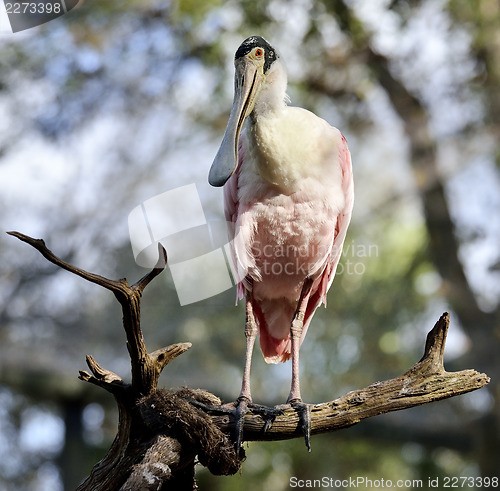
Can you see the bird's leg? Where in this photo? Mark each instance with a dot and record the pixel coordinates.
(245, 397)
(296, 332)
(250, 335)
(244, 402)
(295, 399)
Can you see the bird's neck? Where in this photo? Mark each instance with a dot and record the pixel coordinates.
(273, 95)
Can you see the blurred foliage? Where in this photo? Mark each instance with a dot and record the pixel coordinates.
(119, 101)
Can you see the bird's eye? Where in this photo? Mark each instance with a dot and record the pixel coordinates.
(259, 52)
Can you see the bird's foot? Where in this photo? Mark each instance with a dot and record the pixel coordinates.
(303, 411)
(268, 414)
(240, 408)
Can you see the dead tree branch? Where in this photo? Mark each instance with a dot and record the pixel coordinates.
(160, 433)
(427, 381)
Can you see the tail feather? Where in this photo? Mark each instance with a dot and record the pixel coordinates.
(274, 318)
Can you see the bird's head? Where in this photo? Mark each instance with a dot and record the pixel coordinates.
(254, 62)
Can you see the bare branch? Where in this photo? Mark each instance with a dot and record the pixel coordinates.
(101, 377)
(427, 381)
(39, 245)
(146, 368)
(160, 266)
(164, 356)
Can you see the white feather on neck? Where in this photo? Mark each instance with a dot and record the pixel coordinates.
(273, 93)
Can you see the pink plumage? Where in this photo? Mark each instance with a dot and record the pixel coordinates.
(283, 236)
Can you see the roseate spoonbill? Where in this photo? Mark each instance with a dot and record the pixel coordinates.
(288, 190)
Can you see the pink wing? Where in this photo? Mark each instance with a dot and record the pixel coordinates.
(343, 220)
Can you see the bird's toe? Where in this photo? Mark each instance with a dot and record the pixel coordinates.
(304, 413)
(241, 409)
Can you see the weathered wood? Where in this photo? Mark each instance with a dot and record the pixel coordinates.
(425, 382)
(160, 434)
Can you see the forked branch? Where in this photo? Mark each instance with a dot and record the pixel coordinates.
(160, 434)
(146, 368)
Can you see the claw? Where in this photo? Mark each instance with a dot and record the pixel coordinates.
(304, 413)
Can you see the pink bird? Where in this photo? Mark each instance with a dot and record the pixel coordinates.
(288, 190)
